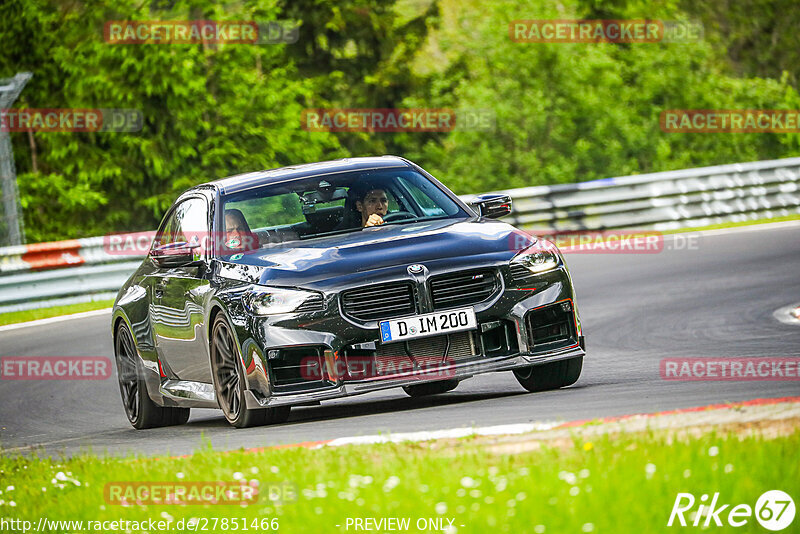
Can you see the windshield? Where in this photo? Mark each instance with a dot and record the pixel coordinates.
(326, 205)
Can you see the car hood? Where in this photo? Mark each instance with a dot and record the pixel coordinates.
(322, 262)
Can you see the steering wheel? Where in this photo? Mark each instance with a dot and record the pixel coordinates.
(398, 216)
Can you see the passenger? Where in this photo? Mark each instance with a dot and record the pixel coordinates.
(237, 232)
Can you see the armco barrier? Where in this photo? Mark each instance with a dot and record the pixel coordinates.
(81, 269)
(664, 200)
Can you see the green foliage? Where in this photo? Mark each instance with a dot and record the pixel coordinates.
(564, 112)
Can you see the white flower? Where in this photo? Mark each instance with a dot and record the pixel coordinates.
(10, 488)
(238, 476)
(574, 490)
(520, 496)
(583, 473)
(587, 527)
(274, 469)
(254, 470)
(468, 482)
(568, 477)
(61, 476)
(12, 503)
(539, 529)
(713, 451)
(166, 516)
(649, 470)
(441, 508)
(728, 468)
(687, 473)
(461, 492)
(179, 475)
(391, 483)
(475, 494)
(450, 529)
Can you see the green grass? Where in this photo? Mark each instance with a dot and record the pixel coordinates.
(615, 485)
(55, 311)
(733, 224)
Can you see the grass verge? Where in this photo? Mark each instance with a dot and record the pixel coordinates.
(615, 484)
(55, 311)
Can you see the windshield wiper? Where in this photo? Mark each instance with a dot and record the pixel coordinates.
(326, 234)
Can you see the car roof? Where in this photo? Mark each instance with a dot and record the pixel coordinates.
(241, 182)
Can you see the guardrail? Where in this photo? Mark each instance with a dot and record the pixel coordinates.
(663, 200)
(63, 272)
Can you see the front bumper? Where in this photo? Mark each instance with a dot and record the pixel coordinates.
(457, 371)
(263, 337)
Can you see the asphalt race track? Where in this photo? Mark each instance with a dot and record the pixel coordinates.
(716, 300)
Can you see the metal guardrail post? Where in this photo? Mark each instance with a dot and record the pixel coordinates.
(10, 88)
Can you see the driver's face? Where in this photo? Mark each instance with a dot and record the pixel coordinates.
(375, 202)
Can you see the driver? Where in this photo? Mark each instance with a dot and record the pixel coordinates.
(373, 204)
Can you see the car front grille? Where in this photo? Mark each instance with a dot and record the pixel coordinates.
(314, 303)
(414, 355)
(462, 288)
(380, 301)
(522, 276)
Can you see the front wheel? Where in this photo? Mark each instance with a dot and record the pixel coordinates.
(142, 412)
(229, 382)
(550, 375)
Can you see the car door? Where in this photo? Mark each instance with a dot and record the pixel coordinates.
(178, 297)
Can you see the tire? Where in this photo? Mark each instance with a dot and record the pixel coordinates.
(551, 375)
(430, 388)
(229, 381)
(142, 412)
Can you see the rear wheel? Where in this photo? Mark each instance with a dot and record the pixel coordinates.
(142, 412)
(430, 388)
(550, 375)
(229, 381)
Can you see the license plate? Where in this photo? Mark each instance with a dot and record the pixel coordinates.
(429, 324)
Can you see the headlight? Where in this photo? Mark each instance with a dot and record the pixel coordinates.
(272, 300)
(540, 257)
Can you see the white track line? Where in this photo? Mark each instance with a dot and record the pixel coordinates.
(787, 315)
(50, 320)
(427, 435)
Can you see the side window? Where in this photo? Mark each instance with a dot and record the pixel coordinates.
(191, 217)
(166, 233)
(188, 222)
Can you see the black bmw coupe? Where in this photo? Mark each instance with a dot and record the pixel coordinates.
(296, 285)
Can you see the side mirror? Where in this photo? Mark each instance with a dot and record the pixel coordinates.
(179, 254)
(492, 205)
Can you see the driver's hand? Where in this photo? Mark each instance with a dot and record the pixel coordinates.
(374, 220)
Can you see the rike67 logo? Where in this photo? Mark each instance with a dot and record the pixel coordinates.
(774, 510)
